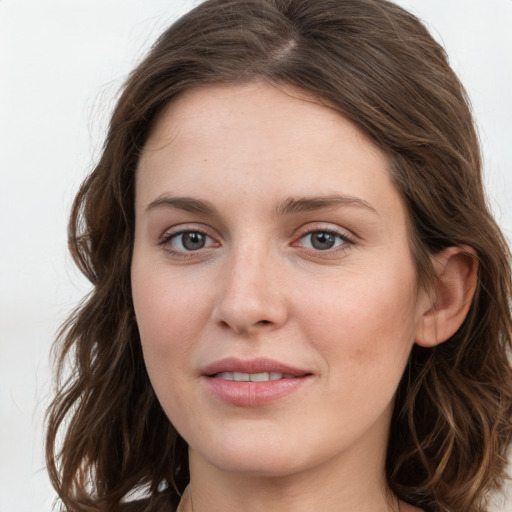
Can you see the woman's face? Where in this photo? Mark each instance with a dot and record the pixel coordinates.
(273, 283)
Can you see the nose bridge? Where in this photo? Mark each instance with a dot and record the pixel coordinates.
(250, 296)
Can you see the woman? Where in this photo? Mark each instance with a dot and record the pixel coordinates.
(300, 298)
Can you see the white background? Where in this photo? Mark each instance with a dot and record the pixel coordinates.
(61, 63)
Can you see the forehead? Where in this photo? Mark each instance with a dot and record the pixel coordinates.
(265, 110)
(259, 136)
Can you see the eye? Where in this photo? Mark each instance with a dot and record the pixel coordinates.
(323, 240)
(191, 241)
(186, 242)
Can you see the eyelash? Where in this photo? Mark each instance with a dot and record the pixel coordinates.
(166, 240)
(345, 242)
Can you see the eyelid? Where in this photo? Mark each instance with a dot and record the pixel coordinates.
(313, 227)
(348, 239)
(320, 227)
(170, 234)
(177, 229)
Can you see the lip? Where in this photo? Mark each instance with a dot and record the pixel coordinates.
(253, 394)
(259, 365)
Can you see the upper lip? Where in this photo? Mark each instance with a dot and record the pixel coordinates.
(259, 365)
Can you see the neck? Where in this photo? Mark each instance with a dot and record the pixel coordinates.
(327, 488)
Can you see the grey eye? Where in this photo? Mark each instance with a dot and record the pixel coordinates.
(191, 240)
(323, 240)
(187, 243)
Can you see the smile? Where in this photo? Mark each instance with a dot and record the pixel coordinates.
(252, 383)
(253, 377)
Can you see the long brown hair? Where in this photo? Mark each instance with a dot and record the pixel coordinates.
(379, 67)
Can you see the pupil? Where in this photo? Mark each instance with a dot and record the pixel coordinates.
(193, 241)
(322, 240)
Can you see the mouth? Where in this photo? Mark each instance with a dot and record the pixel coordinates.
(253, 377)
(251, 383)
(260, 369)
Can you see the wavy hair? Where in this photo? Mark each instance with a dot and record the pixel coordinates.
(379, 67)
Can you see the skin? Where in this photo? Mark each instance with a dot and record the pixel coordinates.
(259, 287)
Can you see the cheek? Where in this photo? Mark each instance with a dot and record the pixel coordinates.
(367, 318)
(169, 315)
(169, 318)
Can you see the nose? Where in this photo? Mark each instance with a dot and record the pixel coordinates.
(251, 292)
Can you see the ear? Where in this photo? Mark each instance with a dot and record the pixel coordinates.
(454, 287)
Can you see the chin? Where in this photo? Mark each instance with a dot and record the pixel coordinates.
(264, 456)
(269, 465)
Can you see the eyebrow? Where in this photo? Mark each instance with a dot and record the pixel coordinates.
(188, 204)
(287, 207)
(308, 204)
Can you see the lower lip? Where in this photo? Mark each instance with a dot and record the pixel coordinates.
(253, 394)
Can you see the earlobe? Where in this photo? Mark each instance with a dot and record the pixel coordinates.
(454, 287)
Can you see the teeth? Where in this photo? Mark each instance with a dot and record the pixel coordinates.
(259, 377)
(252, 377)
(225, 375)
